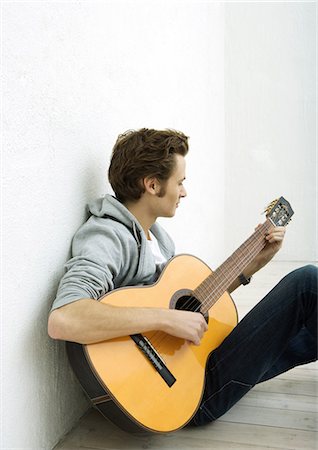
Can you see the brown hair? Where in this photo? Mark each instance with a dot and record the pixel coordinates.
(143, 153)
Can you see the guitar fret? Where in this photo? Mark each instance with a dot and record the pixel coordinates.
(212, 288)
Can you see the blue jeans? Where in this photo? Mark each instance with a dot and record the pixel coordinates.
(279, 333)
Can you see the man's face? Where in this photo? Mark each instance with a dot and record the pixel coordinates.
(174, 190)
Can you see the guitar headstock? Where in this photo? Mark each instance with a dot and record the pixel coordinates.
(279, 212)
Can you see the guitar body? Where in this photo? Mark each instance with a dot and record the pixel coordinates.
(123, 383)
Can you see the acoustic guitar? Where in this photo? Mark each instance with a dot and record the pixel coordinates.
(154, 381)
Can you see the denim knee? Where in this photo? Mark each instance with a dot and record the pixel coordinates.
(306, 286)
(306, 276)
(311, 271)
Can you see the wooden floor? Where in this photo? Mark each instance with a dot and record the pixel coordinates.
(277, 414)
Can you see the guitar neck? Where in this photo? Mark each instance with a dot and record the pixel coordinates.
(212, 288)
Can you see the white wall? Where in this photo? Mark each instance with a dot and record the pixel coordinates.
(76, 74)
(270, 120)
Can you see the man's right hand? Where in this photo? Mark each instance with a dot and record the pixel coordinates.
(186, 325)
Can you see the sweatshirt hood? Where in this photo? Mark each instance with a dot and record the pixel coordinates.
(109, 206)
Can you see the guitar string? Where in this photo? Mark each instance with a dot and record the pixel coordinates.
(255, 245)
(230, 264)
(232, 272)
(157, 338)
(214, 277)
(205, 285)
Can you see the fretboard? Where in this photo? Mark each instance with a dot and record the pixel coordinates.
(212, 288)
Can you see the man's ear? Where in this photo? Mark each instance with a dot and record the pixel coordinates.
(151, 185)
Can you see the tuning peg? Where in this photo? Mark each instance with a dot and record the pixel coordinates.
(278, 211)
(270, 206)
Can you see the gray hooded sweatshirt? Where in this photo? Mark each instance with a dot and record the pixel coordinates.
(109, 251)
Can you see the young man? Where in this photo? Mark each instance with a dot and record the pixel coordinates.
(121, 244)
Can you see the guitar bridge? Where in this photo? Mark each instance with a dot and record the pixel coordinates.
(154, 358)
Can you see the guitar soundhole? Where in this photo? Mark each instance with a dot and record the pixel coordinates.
(184, 300)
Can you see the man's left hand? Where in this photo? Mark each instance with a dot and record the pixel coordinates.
(274, 241)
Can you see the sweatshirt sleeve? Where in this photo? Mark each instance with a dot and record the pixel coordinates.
(97, 253)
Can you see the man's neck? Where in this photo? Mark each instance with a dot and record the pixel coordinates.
(143, 215)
